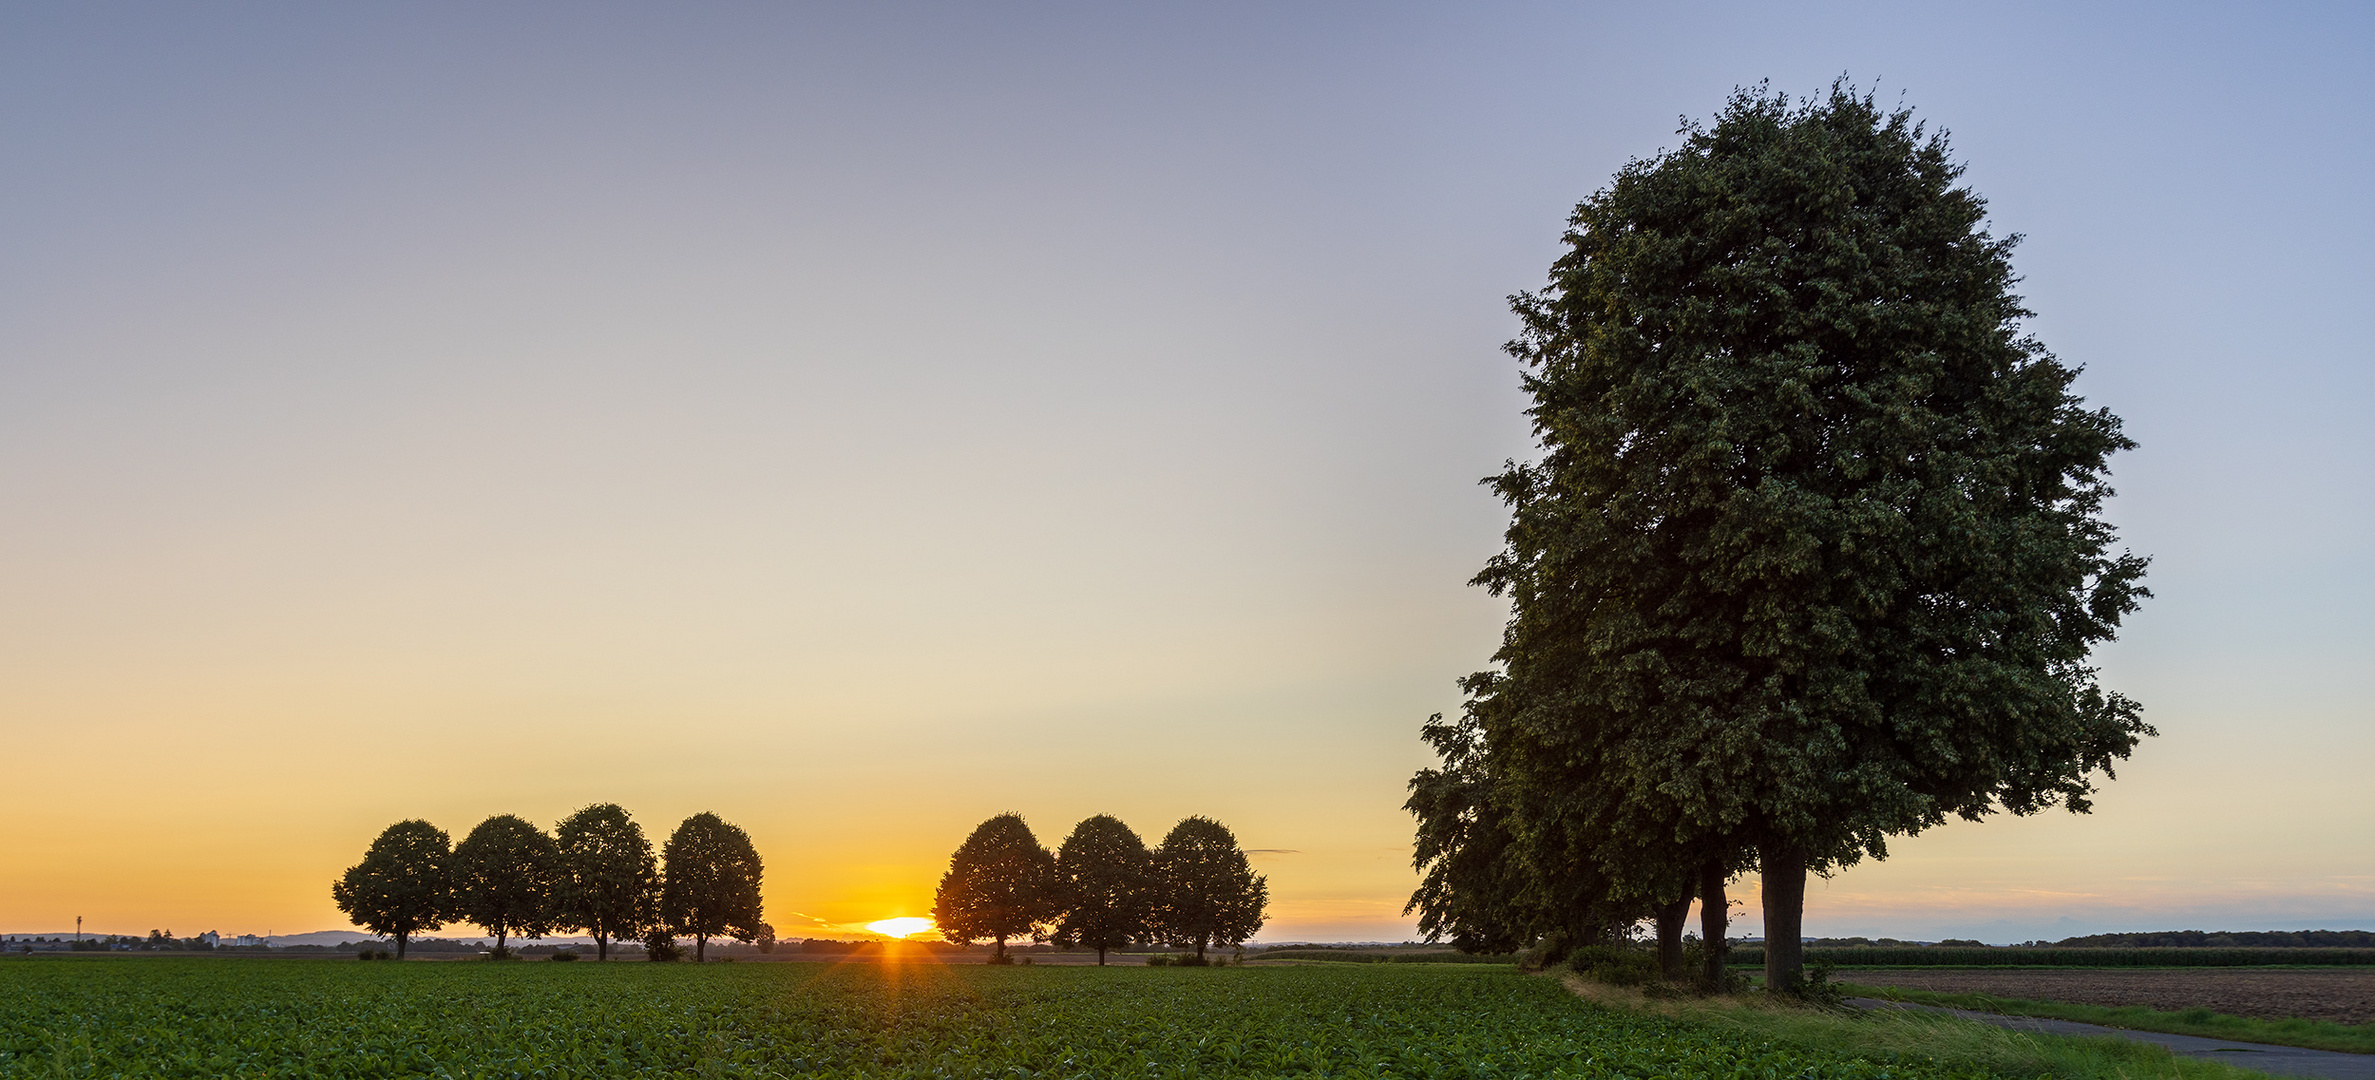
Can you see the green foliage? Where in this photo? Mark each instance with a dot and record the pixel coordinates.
(1107, 879)
(1206, 893)
(269, 1018)
(1000, 884)
(2054, 956)
(608, 883)
(713, 880)
(1472, 888)
(402, 886)
(659, 946)
(503, 875)
(1616, 965)
(1813, 555)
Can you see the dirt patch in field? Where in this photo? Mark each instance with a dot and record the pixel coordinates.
(2344, 996)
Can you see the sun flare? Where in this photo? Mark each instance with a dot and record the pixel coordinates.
(903, 926)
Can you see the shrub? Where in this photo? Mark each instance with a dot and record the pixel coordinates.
(564, 956)
(1159, 959)
(1616, 965)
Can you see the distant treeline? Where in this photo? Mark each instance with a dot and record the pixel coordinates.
(1349, 956)
(2058, 956)
(2227, 939)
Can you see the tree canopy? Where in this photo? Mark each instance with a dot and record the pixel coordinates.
(1206, 892)
(503, 875)
(1000, 884)
(1106, 877)
(608, 882)
(401, 887)
(1813, 555)
(712, 884)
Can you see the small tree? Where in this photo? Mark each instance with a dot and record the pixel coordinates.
(1206, 891)
(401, 887)
(712, 887)
(1106, 875)
(503, 879)
(609, 883)
(1000, 884)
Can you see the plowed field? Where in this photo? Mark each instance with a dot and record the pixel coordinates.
(2342, 995)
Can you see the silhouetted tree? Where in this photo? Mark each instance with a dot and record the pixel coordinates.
(712, 885)
(1206, 893)
(1106, 876)
(401, 887)
(609, 883)
(999, 884)
(503, 875)
(1814, 554)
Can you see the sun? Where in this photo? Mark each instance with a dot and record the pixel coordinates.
(900, 927)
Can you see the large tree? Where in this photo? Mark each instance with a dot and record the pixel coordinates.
(712, 887)
(1106, 877)
(609, 883)
(1000, 884)
(401, 887)
(1206, 892)
(504, 873)
(1813, 555)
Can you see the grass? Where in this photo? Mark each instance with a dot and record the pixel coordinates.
(1910, 1038)
(2314, 1034)
(189, 1018)
(2055, 956)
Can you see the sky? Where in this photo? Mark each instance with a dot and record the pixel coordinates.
(861, 420)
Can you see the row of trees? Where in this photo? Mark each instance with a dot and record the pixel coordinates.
(595, 873)
(1813, 556)
(1102, 888)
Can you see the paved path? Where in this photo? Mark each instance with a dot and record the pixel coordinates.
(2280, 1060)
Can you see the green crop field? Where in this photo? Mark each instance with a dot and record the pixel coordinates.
(165, 1017)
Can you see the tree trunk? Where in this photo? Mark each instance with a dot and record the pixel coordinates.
(700, 947)
(601, 948)
(1200, 949)
(1785, 918)
(1713, 917)
(1100, 956)
(1672, 917)
(401, 941)
(499, 953)
(998, 954)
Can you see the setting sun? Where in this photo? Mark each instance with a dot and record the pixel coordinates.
(903, 926)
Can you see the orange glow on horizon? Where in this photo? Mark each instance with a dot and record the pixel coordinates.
(902, 927)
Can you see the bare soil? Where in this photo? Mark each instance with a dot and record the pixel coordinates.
(2342, 995)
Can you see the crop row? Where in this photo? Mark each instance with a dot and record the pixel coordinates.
(188, 1018)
